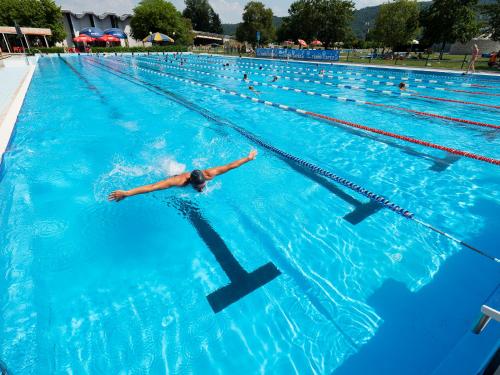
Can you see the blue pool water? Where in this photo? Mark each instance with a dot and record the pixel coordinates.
(341, 284)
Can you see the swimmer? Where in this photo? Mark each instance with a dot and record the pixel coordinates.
(245, 77)
(402, 87)
(260, 67)
(275, 79)
(197, 179)
(251, 88)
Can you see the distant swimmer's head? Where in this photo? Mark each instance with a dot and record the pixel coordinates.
(402, 86)
(197, 180)
(245, 76)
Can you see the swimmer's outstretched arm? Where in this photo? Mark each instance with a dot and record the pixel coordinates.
(180, 180)
(212, 172)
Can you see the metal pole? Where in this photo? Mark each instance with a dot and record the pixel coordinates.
(46, 43)
(463, 62)
(26, 40)
(6, 42)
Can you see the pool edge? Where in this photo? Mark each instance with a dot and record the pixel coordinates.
(13, 109)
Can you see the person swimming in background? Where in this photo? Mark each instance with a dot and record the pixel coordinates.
(197, 179)
(402, 87)
(251, 88)
(275, 78)
(245, 77)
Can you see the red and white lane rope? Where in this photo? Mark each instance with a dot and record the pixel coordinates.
(327, 96)
(311, 114)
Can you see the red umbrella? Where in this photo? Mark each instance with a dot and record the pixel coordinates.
(83, 38)
(316, 43)
(108, 38)
(302, 43)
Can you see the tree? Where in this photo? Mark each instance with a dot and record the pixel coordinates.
(397, 23)
(202, 16)
(492, 12)
(34, 13)
(326, 20)
(256, 17)
(160, 15)
(447, 21)
(215, 23)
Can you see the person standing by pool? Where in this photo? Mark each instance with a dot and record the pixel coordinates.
(475, 55)
(197, 179)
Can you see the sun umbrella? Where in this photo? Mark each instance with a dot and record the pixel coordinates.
(94, 32)
(158, 37)
(316, 43)
(83, 38)
(116, 33)
(302, 43)
(288, 42)
(108, 38)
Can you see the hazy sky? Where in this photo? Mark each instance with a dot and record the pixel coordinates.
(229, 10)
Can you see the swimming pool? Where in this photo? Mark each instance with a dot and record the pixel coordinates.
(322, 278)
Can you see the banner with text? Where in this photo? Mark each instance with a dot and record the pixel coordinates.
(300, 54)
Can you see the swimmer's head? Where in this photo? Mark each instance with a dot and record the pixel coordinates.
(245, 76)
(197, 180)
(402, 86)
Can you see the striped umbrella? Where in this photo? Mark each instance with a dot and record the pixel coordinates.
(158, 37)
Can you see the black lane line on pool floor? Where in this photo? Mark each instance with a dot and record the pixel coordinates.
(440, 164)
(361, 211)
(242, 282)
(115, 114)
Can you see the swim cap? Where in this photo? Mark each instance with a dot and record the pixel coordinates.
(197, 179)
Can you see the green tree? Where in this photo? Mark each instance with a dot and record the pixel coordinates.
(492, 12)
(447, 21)
(397, 23)
(256, 17)
(326, 20)
(198, 11)
(160, 16)
(34, 13)
(215, 23)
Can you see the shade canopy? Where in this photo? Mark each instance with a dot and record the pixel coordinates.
(158, 37)
(83, 38)
(302, 42)
(116, 33)
(94, 32)
(316, 43)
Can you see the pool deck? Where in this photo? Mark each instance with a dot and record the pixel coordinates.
(15, 75)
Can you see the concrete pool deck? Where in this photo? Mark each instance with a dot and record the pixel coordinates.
(15, 75)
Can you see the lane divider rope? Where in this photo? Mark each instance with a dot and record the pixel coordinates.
(324, 117)
(330, 96)
(316, 169)
(385, 92)
(347, 72)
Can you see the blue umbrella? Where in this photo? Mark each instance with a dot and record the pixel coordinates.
(116, 32)
(94, 32)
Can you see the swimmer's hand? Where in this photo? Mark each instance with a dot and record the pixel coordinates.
(117, 195)
(252, 155)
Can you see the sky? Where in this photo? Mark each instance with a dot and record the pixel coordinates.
(229, 10)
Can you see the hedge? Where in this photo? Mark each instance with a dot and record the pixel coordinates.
(113, 49)
(140, 49)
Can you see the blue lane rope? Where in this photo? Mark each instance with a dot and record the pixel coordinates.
(316, 169)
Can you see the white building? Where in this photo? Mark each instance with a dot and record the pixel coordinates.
(74, 22)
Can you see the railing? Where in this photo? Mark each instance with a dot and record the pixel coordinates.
(487, 313)
(416, 59)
